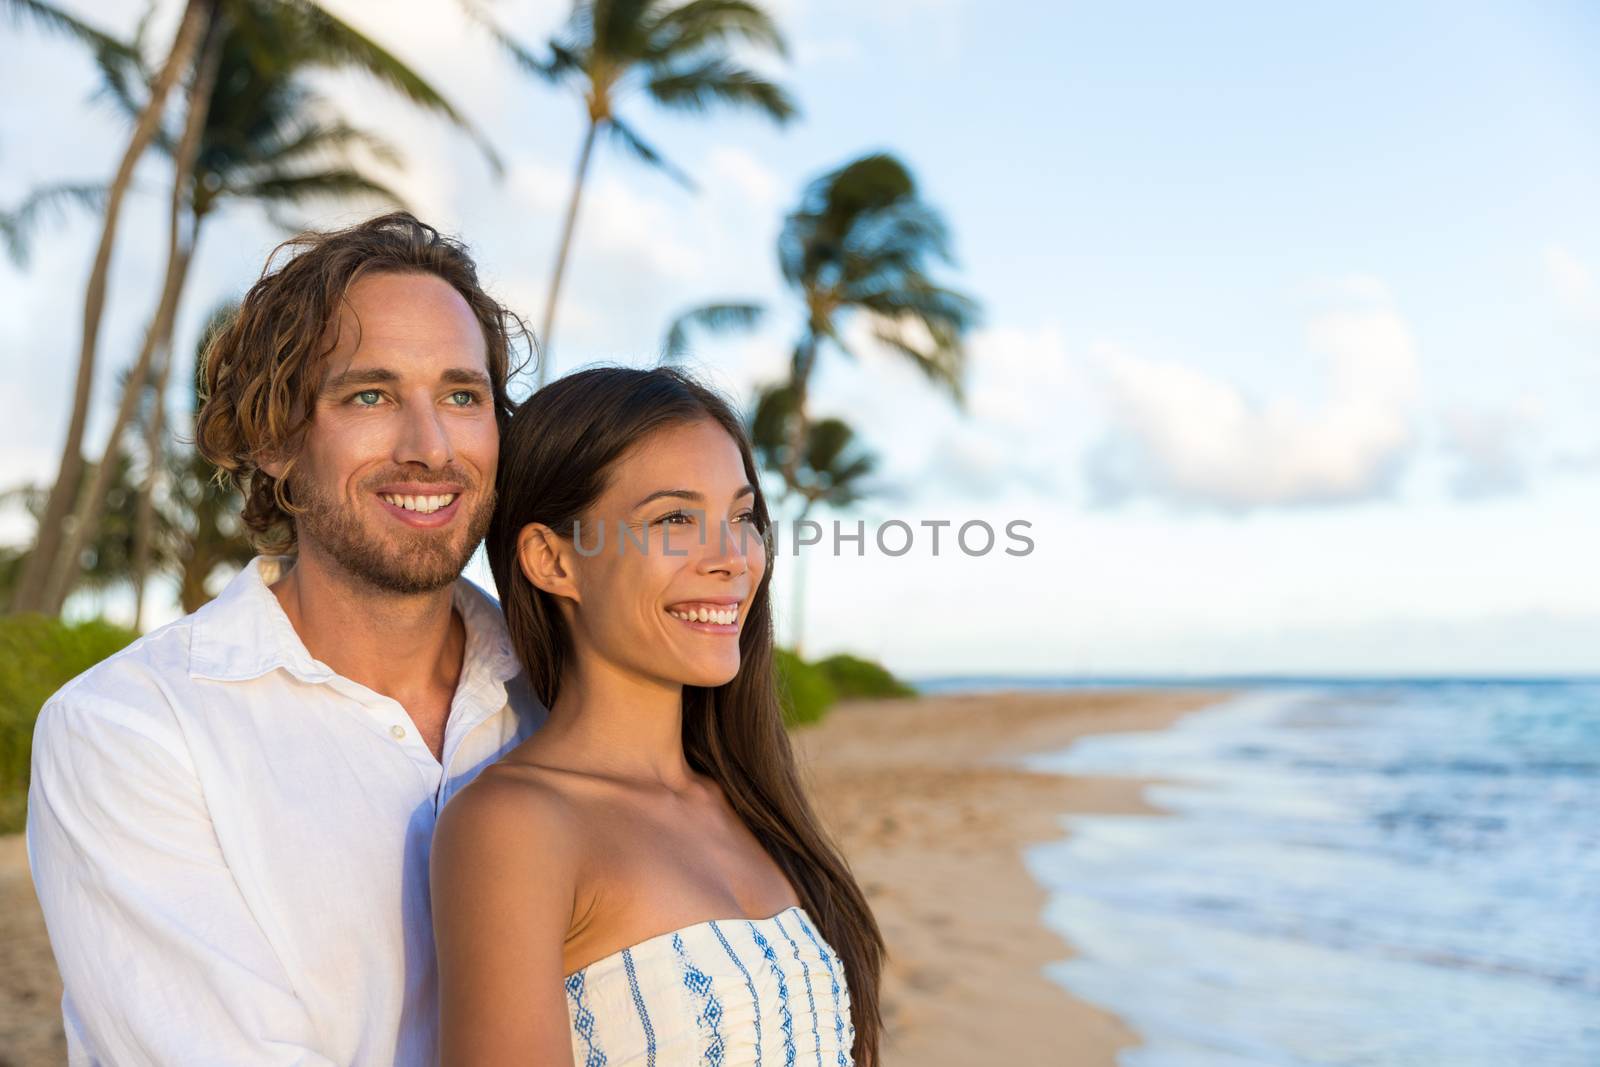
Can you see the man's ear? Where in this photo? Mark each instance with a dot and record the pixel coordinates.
(547, 561)
(276, 461)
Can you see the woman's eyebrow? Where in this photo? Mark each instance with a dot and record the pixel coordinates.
(690, 494)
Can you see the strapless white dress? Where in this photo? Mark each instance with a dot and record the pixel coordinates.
(724, 993)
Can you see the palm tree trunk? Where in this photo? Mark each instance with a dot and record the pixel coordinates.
(561, 253)
(69, 559)
(805, 355)
(36, 575)
(798, 602)
(179, 255)
(144, 517)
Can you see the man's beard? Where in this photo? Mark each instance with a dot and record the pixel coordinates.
(412, 562)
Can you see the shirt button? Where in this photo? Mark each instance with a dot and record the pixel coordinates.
(397, 731)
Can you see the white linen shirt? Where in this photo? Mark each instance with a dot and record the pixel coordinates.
(230, 841)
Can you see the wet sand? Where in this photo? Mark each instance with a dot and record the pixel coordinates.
(934, 825)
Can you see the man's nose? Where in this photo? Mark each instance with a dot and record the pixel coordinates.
(424, 438)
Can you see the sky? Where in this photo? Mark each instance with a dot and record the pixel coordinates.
(1291, 312)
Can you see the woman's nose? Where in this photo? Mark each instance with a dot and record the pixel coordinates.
(725, 549)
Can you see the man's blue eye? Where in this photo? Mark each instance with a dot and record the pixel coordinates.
(464, 398)
(367, 397)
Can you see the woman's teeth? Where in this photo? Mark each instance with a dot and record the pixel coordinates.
(724, 616)
(423, 505)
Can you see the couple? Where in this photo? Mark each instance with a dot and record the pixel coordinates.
(354, 812)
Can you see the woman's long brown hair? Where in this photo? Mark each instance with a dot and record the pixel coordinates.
(556, 456)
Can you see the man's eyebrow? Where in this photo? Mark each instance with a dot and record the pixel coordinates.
(690, 494)
(383, 376)
(464, 376)
(369, 376)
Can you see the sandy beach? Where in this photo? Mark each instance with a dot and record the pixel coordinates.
(933, 822)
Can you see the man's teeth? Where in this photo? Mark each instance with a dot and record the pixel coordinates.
(423, 505)
(726, 616)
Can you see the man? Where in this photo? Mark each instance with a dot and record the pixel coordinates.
(229, 821)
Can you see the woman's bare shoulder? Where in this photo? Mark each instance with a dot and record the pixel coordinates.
(511, 802)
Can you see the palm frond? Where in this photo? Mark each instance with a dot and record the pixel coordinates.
(702, 23)
(123, 80)
(919, 297)
(338, 44)
(52, 201)
(323, 139)
(711, 317)
(338, 183)
(616, 27)
(697, 86)
(520, 54)
(636, 146)
(943, 361)
(52, 18)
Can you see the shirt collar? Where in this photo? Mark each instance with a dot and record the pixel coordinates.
(243, 633)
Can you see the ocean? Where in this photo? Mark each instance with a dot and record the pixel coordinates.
(1354, 873)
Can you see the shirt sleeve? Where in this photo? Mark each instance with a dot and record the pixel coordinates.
(160, 957)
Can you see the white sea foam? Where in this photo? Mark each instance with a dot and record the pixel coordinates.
(1389, 873)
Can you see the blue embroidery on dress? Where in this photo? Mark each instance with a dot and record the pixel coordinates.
(638, 1002)
(783, 995)
(755, 998)
(583, 1022)
(838, 1021)
(710, 1008)
(805, 972)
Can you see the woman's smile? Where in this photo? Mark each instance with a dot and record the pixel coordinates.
(717, 615)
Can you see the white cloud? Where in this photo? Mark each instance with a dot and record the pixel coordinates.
(1574, 283)
(1199, 440)
(1489, 448)
(755, 182)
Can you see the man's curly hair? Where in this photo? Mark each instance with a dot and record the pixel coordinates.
(264, 367)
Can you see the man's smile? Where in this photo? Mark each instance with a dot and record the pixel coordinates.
(422, 505)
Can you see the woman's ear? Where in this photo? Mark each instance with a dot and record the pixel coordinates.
(546, 561)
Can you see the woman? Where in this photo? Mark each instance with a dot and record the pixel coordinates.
(643, 879)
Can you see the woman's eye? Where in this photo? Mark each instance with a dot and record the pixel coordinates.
(673, 516)
(747, 516)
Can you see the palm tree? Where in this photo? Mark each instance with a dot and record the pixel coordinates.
(324, 41)
(257, 134)
(676, 55)
(860, 243)
(106, 553)
(207, 533)
(833, 471)
(69, 473)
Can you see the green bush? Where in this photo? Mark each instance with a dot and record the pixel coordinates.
(38, 655)
(853, 676)
(804, 690)
(808, 689)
